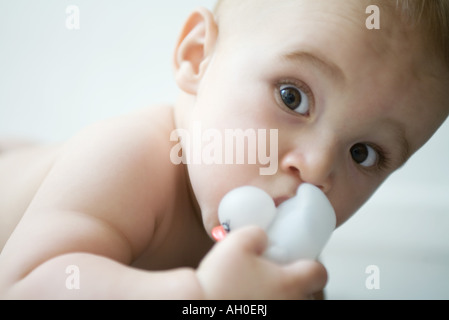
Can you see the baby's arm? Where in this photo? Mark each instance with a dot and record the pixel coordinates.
(99, 278)
(95, 211)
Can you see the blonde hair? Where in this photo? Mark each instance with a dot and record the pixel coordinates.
(430, 17)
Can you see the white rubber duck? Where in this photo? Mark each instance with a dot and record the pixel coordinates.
(298, 229)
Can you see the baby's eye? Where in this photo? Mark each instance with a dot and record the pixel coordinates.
(364, 155)
(294, 99)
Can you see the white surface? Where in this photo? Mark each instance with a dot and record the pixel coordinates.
(54, 81)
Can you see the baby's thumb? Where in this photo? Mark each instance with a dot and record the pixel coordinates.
(251, 239)
(309, 275)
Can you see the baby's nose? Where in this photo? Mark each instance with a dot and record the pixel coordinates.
(314, 165)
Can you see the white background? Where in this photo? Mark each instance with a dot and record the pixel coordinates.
(54, 81)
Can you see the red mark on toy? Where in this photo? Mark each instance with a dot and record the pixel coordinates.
(219, 233)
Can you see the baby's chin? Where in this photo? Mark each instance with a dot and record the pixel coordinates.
(210, 221)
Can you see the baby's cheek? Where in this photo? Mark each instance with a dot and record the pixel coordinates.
(347, 205)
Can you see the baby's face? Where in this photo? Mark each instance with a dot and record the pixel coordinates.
(350, 105)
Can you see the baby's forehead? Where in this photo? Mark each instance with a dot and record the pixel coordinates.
(290, 23)
(246, 12)
(284, 23)
(426, 20)
(272, 21)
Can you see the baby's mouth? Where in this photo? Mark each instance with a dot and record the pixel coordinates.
(279, 200)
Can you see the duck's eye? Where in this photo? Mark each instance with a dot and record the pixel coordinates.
(226, 226)
(364, 155)
(294, 99)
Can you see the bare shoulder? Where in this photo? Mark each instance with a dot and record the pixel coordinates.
(115, 170)
(104, 192)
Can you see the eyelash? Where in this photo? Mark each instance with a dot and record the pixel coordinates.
(383, 162)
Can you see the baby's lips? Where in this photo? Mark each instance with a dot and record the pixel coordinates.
(218, 233)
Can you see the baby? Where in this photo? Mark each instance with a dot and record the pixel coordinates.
(123, 206)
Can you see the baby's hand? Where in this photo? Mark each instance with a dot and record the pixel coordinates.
(236, 269)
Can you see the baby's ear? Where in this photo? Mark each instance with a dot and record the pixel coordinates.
(194, 49)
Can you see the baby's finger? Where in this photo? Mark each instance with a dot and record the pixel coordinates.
(305, 277)
(251, 239)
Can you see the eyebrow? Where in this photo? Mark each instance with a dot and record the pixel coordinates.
(321, 63)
